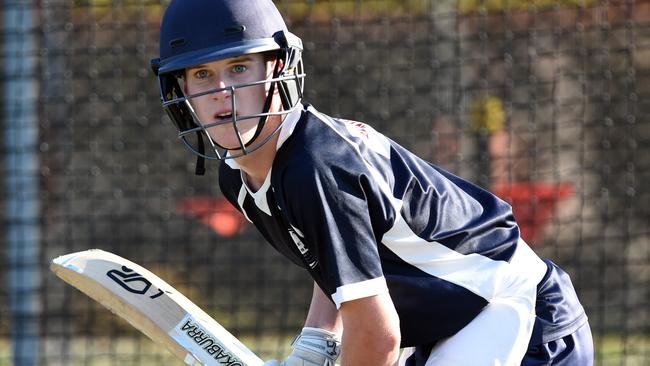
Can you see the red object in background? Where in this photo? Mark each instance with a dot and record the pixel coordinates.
(533, 204)
(216, 213)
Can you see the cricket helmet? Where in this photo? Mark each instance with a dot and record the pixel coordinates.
(195, 32)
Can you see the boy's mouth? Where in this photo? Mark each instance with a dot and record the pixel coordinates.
(223, 116)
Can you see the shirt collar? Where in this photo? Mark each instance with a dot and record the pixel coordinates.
(289, 124)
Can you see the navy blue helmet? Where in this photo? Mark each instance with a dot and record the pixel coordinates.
(195, 32)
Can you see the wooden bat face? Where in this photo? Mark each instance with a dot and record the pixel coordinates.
(154, 307)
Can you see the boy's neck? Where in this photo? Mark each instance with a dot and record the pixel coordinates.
(256, 165)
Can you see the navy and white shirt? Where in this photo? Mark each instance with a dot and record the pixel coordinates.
(365, 216)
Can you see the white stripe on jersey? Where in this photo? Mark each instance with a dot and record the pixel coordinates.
(258, 196)
(490, 279)
(240, 201)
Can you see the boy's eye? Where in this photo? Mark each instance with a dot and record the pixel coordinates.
(201, 74)
(239, 69)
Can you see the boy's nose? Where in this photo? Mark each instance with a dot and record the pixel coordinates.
(223, 90)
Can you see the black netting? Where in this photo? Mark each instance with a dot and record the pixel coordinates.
(544, 102)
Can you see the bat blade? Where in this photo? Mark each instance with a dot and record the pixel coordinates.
(153, 307)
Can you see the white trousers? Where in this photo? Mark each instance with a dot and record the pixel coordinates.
(498, 336)
(500, 333)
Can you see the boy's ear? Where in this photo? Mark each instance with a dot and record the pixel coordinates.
(183, 81)
(272, 64)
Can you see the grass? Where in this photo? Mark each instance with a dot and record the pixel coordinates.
(613, 349)
(623, 350)
(129, 351)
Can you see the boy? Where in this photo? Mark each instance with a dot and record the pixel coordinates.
(403, 254)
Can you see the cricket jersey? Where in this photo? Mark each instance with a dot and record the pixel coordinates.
(365, 216)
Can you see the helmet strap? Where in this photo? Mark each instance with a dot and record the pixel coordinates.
(200, 160)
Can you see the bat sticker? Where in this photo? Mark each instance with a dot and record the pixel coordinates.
(132, 281)
(197, 338)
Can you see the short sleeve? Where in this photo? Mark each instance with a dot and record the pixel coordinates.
(331, 211)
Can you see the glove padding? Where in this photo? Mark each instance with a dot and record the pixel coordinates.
(312, 347)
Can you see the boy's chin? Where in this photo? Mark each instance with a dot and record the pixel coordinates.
(234, 146)
(231, 143)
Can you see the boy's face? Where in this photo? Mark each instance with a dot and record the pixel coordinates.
(217, 106)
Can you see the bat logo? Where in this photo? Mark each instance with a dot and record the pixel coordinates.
(132, 281)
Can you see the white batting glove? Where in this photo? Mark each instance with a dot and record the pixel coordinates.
(312, 347)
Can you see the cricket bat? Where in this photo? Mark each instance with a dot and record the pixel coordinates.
(154, 307)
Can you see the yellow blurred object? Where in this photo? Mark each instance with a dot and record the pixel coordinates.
(487, 114)
(465, 6)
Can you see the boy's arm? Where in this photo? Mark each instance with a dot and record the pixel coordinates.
(323, 313)
(370, 323)
(319, 342)
(372, 333)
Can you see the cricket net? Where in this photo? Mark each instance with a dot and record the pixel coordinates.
(544, 102)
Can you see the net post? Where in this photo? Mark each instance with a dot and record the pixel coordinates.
(21, 180)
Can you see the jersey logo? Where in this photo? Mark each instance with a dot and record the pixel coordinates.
(297, 237)
(356, 128)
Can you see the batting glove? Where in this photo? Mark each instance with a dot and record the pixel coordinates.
(312, 347)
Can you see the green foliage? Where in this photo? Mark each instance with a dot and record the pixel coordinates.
(327, 9)
(506, 5)
(118, 3)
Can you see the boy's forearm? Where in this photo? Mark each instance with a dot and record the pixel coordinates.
(323, 313)
(372, 333)
(368, 351)
(373, 325)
